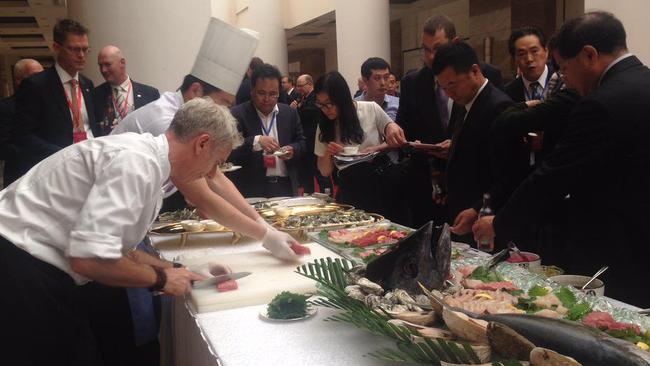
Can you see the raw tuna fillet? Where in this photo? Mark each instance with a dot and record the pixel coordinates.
(300, 249)
(229, 285)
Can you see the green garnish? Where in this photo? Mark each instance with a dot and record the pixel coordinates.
(485, 275)
(578, 311)
(287, 305)
(567, 297)
(537, 291)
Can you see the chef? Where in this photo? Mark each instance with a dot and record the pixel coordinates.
(76, 216)
(215, 74)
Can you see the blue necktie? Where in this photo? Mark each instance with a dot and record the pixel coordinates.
(535, 91)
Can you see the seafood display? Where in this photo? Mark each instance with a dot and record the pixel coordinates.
(319, 220)
(179, 215)
(424, 257)
(270, 213)
(361, 244)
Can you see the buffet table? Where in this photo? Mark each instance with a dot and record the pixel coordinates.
(239, 337)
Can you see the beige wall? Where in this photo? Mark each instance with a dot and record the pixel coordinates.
(634, 15)
(160, 38)
(297, 12)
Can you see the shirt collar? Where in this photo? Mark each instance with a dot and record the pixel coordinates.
(63, 75)
(364, 95)
(468, 106)
(262, 116)
(600, 80)
(541, 80)
(125, 85)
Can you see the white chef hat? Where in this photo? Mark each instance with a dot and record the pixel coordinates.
(224, 55)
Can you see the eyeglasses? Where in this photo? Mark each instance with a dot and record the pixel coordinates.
(324, 105)
(77, 50)
(265, 95)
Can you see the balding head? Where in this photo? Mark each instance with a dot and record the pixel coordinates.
(112, 65)
(25, 68)
(304, 84)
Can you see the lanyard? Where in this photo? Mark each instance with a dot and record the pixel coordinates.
(76, 117)
(124, 108)
(267, 131)
(527, 94)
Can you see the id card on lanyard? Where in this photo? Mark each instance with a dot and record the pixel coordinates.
(78, 133)
(269, 160)
(528, 95)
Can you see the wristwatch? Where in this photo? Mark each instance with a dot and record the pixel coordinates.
(161, 279)
(177, 265)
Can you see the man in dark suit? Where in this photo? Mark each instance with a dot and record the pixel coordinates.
(601, 160)
(119, 95)
(244, 93)
(424, 115)
(23, 69)
(527, 47)
(309, 114)
(470, 171)
(273, 140)
(289, 88)
(54, 108)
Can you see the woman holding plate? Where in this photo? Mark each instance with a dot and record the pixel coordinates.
(347, 125)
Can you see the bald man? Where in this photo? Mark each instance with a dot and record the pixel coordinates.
(22, 70)
(119, 95)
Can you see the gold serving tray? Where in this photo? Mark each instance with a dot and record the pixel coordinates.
(299, 210)
(175, 228)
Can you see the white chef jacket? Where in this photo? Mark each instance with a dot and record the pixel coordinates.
(154, 117)
(93, 199)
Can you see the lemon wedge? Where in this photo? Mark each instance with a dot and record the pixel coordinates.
(643, 346)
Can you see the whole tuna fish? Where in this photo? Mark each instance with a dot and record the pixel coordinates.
(424, 256)
(589, 346)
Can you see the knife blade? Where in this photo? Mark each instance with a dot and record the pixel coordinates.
(218, 279)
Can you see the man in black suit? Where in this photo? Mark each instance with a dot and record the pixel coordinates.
(289, 88)
(601, 160)
(119, 95)
(527, 47)
(273, 140)
(470, 172)
(309, 114)
(244, 93)
(22, 70)
(423, 113)
(54, 108)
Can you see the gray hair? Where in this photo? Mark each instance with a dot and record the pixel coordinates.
(201, 115)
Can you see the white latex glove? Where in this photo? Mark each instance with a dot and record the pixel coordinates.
(279, 244)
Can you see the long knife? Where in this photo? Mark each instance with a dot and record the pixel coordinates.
(218, 279)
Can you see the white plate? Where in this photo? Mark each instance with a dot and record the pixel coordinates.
(310, 313)
(231, 169)
(279, 153)
(355, 154)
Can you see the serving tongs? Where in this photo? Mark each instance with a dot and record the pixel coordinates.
(501, 256)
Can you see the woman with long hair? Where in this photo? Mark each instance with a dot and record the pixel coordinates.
(346, 122)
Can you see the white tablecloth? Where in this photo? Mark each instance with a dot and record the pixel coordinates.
(239, 337)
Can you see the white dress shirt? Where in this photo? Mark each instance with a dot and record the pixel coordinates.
(154, 117)
(542, 82)
(469, 105)
(280, 169)
(373, 121)
(65, 80)
(126, 90)
(93, 199)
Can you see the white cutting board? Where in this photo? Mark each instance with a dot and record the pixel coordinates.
(269, 277)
